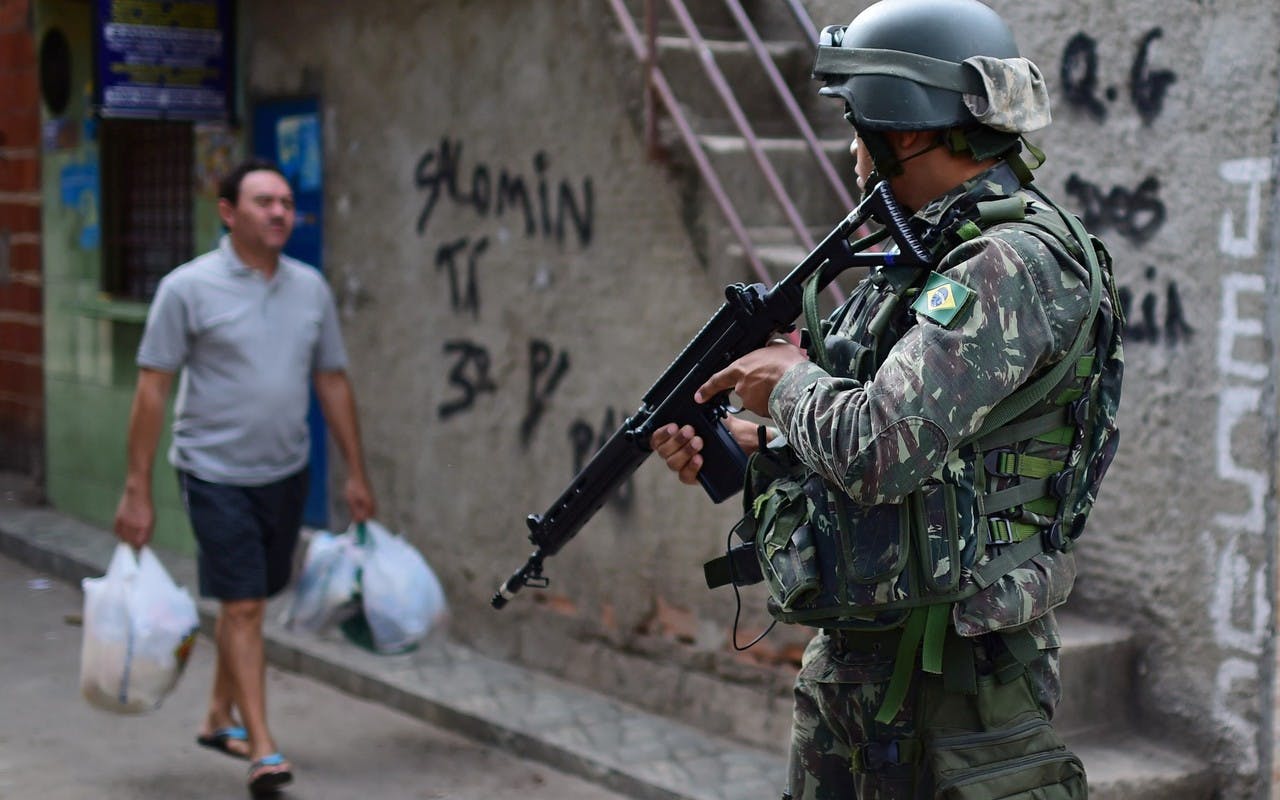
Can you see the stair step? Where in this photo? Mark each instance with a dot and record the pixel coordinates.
(1126, 766)
(682, 63)
(797, 169)
(1097, 663)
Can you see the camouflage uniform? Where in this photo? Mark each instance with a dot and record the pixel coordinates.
(880, 440)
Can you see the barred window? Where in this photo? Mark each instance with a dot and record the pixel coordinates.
(147, 190)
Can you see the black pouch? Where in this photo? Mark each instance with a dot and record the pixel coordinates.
(997, 744)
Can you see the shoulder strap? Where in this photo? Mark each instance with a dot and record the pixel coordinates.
(1020, 401)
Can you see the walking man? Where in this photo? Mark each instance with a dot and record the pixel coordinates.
(247, 331)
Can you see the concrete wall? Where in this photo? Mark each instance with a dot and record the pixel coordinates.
(490, 347)
(494, 344)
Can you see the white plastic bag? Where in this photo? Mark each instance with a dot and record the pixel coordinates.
(327, 587)
(401, 595)
(139, 628)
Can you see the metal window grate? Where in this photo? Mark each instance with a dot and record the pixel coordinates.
(147, 182)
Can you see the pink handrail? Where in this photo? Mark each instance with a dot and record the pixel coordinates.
(657, 83)
(721, 85)
(789, 101)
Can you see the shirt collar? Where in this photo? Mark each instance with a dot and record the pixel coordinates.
(241, 270)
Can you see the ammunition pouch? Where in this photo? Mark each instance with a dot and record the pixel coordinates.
(993, 739)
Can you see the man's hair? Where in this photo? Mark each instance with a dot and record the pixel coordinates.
(229, 187)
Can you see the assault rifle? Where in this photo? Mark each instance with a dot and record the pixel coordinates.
(749, 316)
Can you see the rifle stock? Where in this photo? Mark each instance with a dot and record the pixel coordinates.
(746, 320)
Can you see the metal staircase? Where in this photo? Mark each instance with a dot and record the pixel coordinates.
(766, 169)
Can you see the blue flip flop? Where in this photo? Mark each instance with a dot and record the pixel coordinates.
(268, 782)
(219, 738)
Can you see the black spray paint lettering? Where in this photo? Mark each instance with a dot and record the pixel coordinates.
(586, 440)
(1079, 73)
(1147, 327)
(470, 375)
(545, 214)
(464, 294)
(1135, 214)
(546, 369)
(1147, 87)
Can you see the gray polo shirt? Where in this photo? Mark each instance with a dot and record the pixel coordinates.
(246, 348)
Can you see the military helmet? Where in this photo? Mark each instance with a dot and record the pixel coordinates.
(906, 88)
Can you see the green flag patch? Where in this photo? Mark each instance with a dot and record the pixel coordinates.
(942, 300)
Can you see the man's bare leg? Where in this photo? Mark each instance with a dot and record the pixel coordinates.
(239, 636)
(221, 712)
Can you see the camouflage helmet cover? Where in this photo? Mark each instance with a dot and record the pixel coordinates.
(931, 65)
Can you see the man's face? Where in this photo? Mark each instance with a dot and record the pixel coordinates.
(263, 215)
(863, 165)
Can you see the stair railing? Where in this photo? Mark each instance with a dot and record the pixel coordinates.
(658, 89)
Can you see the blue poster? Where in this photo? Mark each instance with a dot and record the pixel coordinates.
(164, 59)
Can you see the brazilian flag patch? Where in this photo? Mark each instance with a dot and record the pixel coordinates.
(942, 300)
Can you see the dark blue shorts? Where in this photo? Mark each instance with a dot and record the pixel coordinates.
(245, 535)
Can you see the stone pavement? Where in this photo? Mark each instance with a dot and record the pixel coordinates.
(530, 714)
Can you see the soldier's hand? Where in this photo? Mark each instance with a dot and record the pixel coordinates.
(681, 448)
(754, 375)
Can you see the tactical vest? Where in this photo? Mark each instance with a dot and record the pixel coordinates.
(1021, 486)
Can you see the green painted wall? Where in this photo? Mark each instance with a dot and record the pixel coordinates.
(91, 340)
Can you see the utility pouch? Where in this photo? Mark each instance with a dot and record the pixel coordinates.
(975, 750)
(790, 567)
(1026, 761)
(779, 511)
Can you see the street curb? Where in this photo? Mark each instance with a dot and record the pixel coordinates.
(526, 713)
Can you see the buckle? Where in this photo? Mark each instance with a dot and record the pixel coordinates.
(1054, 538)
(1061, 483)
(832, 35)
(1008, 531)
(991, 463)
(875, 756)
(1080, 410)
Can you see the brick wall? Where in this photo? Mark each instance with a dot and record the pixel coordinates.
(21, 382)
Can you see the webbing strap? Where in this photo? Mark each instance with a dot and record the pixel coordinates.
(927, 624)
(1027, 429)
(850, 61)
(1007, 531)
(935, 636)
(817, 343)
(1009, 464)
(1016, 495)
(903, 666)
(1009, 559)
(1018, 403)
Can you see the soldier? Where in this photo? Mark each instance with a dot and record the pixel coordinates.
(941, 439)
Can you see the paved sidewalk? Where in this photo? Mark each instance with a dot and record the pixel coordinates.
(530, 714)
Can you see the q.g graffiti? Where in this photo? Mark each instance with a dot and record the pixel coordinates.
(545, 211)
(1147, 87)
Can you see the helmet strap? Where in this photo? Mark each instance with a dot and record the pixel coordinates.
(885, 160)
(983, 143)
